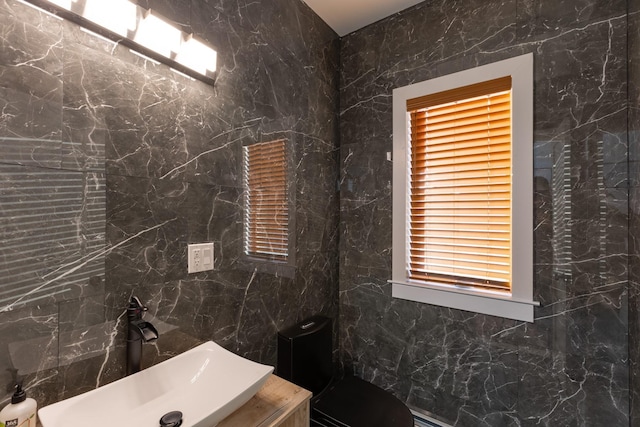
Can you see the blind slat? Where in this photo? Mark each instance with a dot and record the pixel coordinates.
(462, 93)
(471, 251)
(461, 113)
(498, 101)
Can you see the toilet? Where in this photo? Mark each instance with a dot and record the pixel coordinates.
(305, 359)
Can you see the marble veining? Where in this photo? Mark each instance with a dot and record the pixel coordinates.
(634, 209)
(571, 367)
(111, 164)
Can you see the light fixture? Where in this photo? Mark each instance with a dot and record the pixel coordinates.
(141, 30)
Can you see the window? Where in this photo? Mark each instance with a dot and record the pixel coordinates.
(266, 227)
(460, 186)
(462, 190)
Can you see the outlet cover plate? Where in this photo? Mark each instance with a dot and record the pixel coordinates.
(199, 257)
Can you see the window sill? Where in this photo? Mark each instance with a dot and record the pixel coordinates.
(278, 268)
(475, 301)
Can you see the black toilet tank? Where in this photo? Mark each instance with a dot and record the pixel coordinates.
(304, 353)
(305, 359)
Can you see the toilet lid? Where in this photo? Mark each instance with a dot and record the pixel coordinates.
(352, 402)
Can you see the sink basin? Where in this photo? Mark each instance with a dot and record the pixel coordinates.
(206, 384)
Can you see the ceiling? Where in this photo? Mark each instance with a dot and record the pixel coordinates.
(346, 16)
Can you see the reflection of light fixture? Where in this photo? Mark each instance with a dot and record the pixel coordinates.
(157, 35)
(140, 30)
(197, 56)
(119, 16)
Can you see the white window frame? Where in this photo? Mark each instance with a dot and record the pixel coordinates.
(519, 304)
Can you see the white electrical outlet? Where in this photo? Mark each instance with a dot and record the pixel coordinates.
(199, 257)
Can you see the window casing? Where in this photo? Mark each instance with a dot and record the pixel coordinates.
(462, 190)
(266, 223)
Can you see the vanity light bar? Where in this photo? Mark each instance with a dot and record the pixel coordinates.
(141, 30)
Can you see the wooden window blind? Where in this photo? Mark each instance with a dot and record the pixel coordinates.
(267, 202)
(460, 186)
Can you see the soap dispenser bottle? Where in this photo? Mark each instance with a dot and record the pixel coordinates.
(21, 412)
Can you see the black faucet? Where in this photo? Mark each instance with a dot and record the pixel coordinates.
(139, 331)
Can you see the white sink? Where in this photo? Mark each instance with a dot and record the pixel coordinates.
(206, 384)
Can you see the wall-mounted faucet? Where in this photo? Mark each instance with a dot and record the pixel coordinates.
(139, 332)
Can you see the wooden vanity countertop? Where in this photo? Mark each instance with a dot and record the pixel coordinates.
(278, 403)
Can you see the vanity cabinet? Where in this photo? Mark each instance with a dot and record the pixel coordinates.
(278, 403)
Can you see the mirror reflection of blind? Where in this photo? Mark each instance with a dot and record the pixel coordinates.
(561, 210)
(267, 204)
(52, 224)
(603, 212)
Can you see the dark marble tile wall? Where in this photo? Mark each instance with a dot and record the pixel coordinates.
(110, 165)
(571, 366)
(634, 208)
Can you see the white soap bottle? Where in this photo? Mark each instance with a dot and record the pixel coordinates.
(21, 412)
